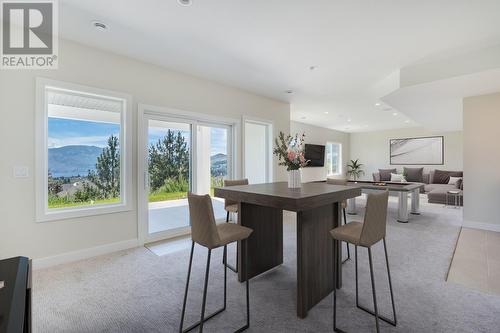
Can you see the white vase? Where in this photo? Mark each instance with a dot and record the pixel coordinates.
(294, 179)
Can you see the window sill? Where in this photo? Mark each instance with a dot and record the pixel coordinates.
(57, 214)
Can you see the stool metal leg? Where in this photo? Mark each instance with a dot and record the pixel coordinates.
(373, 288)
(335, 328)
(247, 325)
(387, 320)
(390, 285)
(204, 319)
(346, 244)
(224, 259)
(187, 287)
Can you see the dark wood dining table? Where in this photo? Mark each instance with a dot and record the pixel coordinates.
(318, 207)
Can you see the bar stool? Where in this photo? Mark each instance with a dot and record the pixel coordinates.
(232, 207)
(343, 182)
(205, 232)
(367, 234)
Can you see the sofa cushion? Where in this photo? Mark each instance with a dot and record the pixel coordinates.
(414, 174)
(439, 187)
(441, 177)
(385, 174)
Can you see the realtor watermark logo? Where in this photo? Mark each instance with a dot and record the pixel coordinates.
(29, 34)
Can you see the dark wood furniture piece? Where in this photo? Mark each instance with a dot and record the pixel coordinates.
(15, 295)
(318, 211)
(402, 189)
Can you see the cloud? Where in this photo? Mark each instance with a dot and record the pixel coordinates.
(98, 141)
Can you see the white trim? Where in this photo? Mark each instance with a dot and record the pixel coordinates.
(269, 139)
(72, 256)
(480, 225)
(43, 214)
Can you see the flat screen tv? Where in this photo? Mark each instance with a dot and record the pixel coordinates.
(315, 154)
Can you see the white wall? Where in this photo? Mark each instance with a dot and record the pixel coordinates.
(372, 149)
(320, 136)
(482, 161)
(19, 234)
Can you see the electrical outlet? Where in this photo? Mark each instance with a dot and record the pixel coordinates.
(21, 172)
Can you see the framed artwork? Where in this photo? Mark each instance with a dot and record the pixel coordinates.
(417, 151)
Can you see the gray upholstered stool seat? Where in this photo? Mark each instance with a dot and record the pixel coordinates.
(231, 209)
(231, 232)
(367, 234)
(349, 232)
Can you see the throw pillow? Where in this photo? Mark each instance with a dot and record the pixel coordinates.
(441, 177)
(397, 178)
(456, 173)
(414, 174)
(385, 174)
(454, 180)
(459, 184)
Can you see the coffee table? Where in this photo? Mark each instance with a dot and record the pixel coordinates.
(401, 189)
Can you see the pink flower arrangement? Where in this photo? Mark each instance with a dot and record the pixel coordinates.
(290, 151)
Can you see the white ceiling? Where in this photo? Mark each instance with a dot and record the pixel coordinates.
(267, 47)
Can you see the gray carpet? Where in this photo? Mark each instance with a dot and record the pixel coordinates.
(137, 291)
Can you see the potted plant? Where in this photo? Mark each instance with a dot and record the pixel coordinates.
(354, 169)
(290, 152)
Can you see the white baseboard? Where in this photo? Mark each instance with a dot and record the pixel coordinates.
(480, 225)
(84, 253)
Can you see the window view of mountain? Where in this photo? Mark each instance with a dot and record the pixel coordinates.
(75, 160)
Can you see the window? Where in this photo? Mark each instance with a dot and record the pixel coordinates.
(83, 153)
(333, 159)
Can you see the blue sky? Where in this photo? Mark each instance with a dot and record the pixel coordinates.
(67, 132)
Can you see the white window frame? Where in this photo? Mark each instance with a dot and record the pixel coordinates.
(269, 146)
(340, 159)
(43, 213)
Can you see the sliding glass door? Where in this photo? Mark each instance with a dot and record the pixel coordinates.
(169, 174)
(179, 156)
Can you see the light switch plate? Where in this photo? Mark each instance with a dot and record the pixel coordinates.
(21, 172)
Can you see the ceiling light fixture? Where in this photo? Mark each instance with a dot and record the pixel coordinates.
(289, 91)
(394, 113)
(185, 2)
(349, 120)
(100, 26)
(311, 68)
(377, 104)
(407, 121)
(326, 112)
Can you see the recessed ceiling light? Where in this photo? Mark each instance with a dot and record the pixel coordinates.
(185, 2)
(98, 25)
(289, 91)
(326, 112)
(394, 113)
(377, 104)
(407, 121)
(349, 120)
(311, 68)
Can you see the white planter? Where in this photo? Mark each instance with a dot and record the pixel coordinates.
(294, 179)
